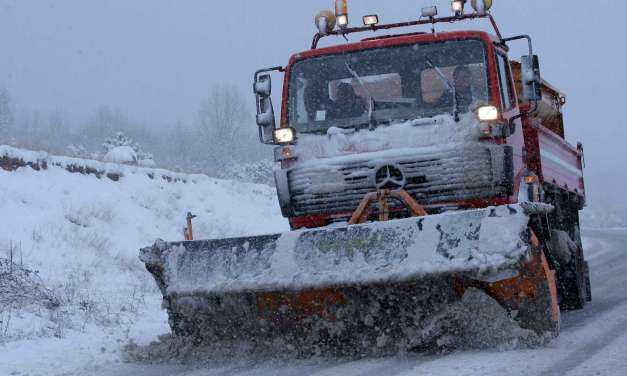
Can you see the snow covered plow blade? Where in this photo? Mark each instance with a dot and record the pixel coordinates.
(375, 287)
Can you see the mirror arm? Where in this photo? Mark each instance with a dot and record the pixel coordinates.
(535, 102)
(496, 27)
(520, 115)
(518, 37)
(316, 39)
(273, 69)
(261, 139)
(512, 126)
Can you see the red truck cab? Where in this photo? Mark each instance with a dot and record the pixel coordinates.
(393, 107)
(440, 121)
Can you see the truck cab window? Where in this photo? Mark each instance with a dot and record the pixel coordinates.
(400, 83)
(468, 81)
(507, 93)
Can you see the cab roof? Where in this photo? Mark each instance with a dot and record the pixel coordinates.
(395, 40)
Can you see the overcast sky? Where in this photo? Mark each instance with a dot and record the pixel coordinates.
(156, 59)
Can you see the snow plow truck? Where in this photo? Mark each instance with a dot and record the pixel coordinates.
(415, 168)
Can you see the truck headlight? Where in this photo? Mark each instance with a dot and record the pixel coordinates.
(458, 7)
(342, 21)
(488, 113)
(284, 135)
(341, 13)
(371, 20)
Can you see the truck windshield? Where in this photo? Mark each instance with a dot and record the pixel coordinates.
(397, 83)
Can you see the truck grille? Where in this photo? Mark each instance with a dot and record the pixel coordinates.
(454, 174)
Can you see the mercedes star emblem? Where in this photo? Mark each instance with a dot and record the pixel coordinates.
(389, 177)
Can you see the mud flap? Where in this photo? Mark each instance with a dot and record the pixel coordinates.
(539, 310)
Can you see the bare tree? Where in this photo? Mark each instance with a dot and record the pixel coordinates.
(104, 122)
(222, 114)
(6, 112)
(225, 121)
(57, 132)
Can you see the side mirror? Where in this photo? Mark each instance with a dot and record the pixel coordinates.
(531, 80)
(265, 119)
(263, 86)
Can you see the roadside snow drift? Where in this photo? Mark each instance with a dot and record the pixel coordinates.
(81, 223)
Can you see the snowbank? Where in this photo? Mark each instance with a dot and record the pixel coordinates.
(82, 231)
(13, 158)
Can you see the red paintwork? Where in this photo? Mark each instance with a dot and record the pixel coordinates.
(536, 149)
(556, 153)
(310, 221)
(553, 159)
(321, 220)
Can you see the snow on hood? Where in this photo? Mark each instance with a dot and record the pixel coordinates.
(439, 130)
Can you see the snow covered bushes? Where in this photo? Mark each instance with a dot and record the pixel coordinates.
(21, 287)
(121, 149)
(121, 154)
(30, 309)
(22, 291)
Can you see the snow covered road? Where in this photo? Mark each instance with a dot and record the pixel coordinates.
(593, 341)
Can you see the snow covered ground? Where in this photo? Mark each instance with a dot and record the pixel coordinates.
(593, 342)
(83, 234)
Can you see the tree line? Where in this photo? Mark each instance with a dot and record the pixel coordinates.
(221, 141)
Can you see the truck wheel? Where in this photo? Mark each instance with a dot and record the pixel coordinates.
(574, 283)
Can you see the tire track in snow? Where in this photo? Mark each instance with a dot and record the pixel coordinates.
(609, 302)
(590, 348)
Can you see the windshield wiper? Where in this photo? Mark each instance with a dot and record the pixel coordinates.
(450, 87)
(372, 124)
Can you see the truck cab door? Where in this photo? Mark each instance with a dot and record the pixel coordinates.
(511, 110)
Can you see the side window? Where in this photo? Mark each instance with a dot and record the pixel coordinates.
(507, 93)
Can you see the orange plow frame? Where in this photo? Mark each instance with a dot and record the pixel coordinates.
(381, 197)
(535, 277)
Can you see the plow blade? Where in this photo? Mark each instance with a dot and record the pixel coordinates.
(376, 287)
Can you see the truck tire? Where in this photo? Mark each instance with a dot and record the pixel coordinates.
(568, 260)
(588, 284)
(574, 283)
